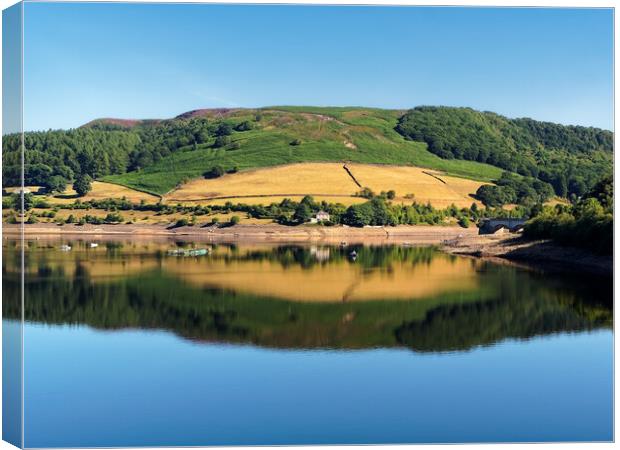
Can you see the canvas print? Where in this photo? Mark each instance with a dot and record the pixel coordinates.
(233, 224)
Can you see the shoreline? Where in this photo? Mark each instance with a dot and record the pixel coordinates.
(455, 240)
(420, 234)
(543, 254)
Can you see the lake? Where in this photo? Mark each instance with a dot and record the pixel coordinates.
(126, 345)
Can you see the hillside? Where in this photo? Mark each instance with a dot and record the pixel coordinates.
(329, 182)
(158, 156)
(286, 135)
(570, 158)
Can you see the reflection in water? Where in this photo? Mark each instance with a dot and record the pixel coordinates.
(302, 297)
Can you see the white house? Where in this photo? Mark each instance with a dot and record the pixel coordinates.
(320, 217)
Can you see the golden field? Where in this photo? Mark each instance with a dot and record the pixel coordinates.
(330, 182)
(101, 190)
(324, 181)
(148, 217)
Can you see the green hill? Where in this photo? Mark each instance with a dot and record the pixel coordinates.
(321, 134)
(570, 158)
(158, 155)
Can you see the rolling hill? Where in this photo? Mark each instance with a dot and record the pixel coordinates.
(324, 134)
(169, 156)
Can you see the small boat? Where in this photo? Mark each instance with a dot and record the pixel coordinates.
(353, 254)
(94, 245)
(190, 252)
(65, 247)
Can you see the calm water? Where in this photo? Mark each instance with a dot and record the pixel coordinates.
(126, 345)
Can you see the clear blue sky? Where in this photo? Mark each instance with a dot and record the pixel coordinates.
(85, 61)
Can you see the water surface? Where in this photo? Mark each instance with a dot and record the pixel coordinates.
(266, 344)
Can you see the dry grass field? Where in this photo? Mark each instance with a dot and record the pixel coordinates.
(330, 182)
(101, 190)
(149, 217)
(345, 200)
(324, 181)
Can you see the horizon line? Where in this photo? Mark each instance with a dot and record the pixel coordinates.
(275, 107)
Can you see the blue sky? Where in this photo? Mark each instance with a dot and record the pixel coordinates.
(84, 61)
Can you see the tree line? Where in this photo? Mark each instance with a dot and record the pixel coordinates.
(588, 223)
(569, 158)
(55, 158)
(377, 211)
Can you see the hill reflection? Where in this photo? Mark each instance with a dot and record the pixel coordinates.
(303, 297)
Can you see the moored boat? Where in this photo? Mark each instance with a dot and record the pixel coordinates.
(188, 252)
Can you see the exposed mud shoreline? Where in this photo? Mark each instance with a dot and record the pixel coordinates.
(273, 232)
(452, 239)
(539, 253)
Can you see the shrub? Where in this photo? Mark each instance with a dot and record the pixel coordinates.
(391, 194)
(113, 218)
(464, 222)
(365, 193)
(224, 129)
(56, 183)
(295, 142)
(32, 219)
(82, 185)
(41, 204)
(71, 219)
(303, 213)
(16, 201)
(374, 212)
(181, 223)
(234, 220)
(214, 172)
(221, 141)
(492, 196)
(244, 126)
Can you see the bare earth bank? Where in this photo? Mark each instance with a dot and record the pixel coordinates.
(539, 253)
(275, 232)
(452, 239)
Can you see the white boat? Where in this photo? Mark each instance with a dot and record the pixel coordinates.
(65, 247)
(94, 245)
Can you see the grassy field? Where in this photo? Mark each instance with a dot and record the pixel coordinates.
(139, 217)
(330, 182)
(101, 191)
(326, 134)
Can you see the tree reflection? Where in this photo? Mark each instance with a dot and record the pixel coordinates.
(510, 303)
